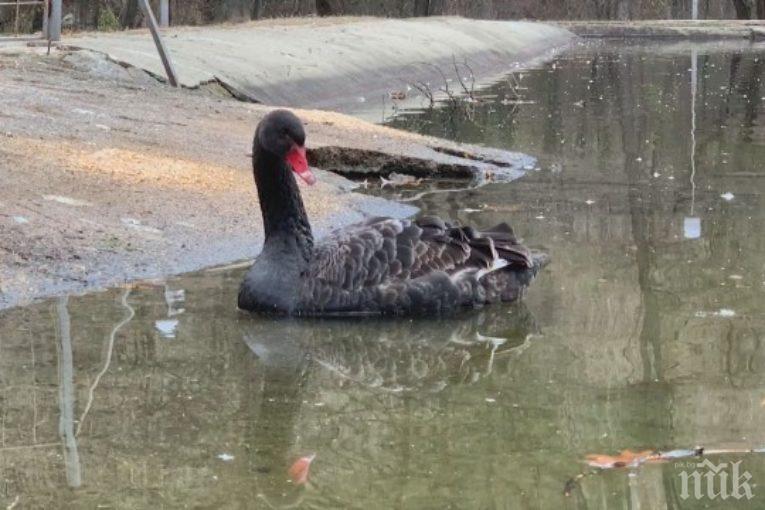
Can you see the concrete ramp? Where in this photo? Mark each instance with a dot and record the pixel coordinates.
(336, 63)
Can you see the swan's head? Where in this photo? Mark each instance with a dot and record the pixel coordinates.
(281, 133)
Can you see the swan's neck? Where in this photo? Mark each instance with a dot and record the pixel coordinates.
(285, 221)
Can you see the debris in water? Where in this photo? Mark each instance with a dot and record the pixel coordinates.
(722, 312)
(20, 219)
(727, 196)
(691, 227)
(67, 200)
(630, 459)
(299, 470)
(627, 458)
(396, 179)
(736, 277)
(589, 201)
(225, 457)
(490, 400)
(506, 102)
(166, 327)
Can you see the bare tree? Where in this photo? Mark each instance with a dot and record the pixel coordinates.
(623, 10)
(421, 7)
(129, 14)
(486, 10)
(324, 8)
(256, 12)
(743, 9)
(760, 8)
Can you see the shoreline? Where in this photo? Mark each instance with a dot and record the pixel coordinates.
(691, 30)
(112, 176)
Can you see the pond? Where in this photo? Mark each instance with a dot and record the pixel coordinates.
(644, 333)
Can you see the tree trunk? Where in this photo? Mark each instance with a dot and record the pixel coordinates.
(760, 9)
(623, 10)
(743, 10)
(129, 15)
(323, 8)
(486, 9)
(421, 7)
(256, 12)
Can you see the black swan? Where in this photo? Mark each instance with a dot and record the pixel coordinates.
(380, 266)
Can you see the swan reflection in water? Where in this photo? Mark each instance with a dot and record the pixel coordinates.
(406, 357)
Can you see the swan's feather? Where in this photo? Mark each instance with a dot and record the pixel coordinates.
(396, 265)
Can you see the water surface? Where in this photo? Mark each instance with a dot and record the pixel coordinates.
(645, 332)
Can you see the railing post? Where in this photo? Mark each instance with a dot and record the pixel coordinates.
(46, 20)
(54, 25)
(151, 21)
(164, 13)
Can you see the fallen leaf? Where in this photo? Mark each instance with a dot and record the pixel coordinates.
(299, 470)
(627, 458)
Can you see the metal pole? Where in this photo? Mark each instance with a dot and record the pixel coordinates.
(46, 14)
(16, 23)
(164, 13)
(695, 9)
(54, 25)
(172, 78)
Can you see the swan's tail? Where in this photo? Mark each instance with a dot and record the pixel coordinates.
(522, 264)
(540, 259)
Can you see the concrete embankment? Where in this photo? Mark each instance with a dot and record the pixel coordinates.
(342, 64)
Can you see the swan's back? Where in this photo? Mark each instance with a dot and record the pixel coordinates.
(391, 266)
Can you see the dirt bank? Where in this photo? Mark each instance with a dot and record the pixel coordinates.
(109, 175)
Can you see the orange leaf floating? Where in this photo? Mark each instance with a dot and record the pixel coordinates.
(627, 458)
(299, 470)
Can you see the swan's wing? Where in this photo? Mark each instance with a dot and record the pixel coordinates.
(383, 250)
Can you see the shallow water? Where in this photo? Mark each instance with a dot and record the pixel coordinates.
(644, 333)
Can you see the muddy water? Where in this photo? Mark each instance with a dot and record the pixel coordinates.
(644, 333)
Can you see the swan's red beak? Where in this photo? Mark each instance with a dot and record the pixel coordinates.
(296, 158)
